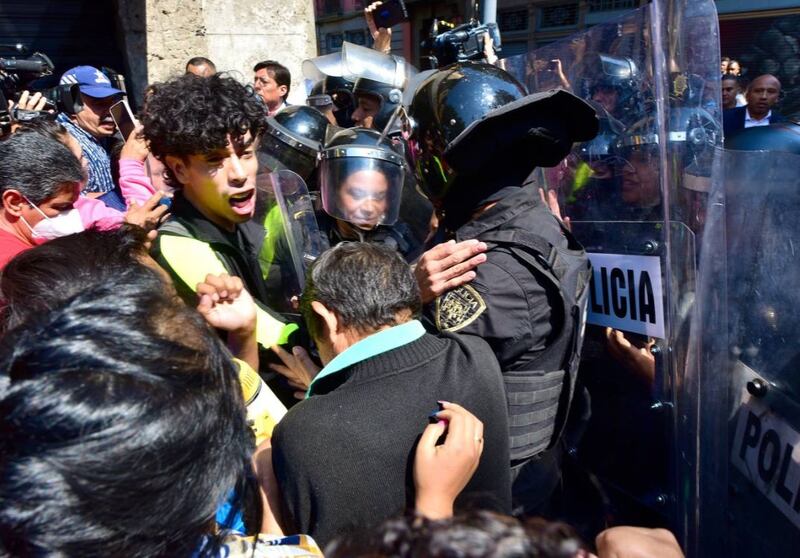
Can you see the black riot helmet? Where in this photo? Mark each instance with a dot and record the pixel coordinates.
(318, 99)
(387, 96)
(620, 75)
(293, 140)
(361, 178)
(340, 91)
(443, 106)
(603, 147)
(475, 132)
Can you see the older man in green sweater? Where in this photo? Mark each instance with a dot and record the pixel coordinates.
(343, 456)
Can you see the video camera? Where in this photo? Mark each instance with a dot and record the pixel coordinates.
(461, 43)
(18, 70)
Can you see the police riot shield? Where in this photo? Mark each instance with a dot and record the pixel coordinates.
(292, 240)
(636, 196)
(743, 404)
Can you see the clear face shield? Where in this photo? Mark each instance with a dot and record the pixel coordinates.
(361, 185)
(277, 151)
(637, 170)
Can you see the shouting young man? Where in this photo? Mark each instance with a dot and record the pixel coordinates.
(205, 131)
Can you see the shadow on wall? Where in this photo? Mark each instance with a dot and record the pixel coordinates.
(130, 23)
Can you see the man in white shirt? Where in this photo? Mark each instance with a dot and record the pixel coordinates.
(272, 82)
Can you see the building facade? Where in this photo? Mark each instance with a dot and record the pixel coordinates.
(528, 24)
(151, 40)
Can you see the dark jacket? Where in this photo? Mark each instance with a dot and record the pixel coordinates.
(343, 458)
(733, 119)
(189, 247)
(518, 312)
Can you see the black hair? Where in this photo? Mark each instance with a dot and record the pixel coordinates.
(122, 428)
(191, 115)
(278, 72)
(478, 534)
(733, 77)
(40, 279)
(200, 61)
(37, 166)
(367, 285)
(45, 127)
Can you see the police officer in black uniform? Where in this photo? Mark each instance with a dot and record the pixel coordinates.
(477, 138)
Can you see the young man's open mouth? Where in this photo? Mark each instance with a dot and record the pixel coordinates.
(243, 203)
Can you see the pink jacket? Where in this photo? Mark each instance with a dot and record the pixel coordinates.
(95, 213)
(134, 182)
(135, 186)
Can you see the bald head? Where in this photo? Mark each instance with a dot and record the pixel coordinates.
(201, 66)
(762, 94)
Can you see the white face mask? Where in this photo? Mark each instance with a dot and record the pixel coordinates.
(66, 222)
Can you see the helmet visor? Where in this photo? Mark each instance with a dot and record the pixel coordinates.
(363, 191)
(317, 68)
(368, 63)
(273, 154)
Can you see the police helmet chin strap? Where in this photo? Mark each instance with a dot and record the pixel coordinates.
(386, 129)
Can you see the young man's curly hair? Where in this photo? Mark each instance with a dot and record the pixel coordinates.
(191, 115)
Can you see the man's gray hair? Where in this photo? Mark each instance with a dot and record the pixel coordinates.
(367, 285)
(38, 167)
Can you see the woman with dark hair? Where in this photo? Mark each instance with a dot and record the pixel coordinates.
(122, 430)
(42, 278)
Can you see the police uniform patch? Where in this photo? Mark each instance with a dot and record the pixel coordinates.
(458, 308)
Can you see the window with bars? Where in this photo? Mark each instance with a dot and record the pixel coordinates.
(563, 15)
(333, 41)
(358, 37)
(516, 20)
(611, 5)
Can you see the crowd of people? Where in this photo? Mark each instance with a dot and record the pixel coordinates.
(176, 379)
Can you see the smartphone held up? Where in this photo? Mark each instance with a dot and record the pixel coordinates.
(123, 118)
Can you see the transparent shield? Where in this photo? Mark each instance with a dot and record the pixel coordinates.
(293, 239)
(637, 197)
(744, 417)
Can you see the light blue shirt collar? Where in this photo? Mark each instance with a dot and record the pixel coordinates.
(373, 345)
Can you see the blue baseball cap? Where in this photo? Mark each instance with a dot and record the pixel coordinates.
(92, 82)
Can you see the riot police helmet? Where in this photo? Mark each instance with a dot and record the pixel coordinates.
(361, 178)
(616, 83)
(318, 99)
(293, 140)
(382, 100)
(443, 106)
(340, 90)
(474, 121)
(603, 147)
